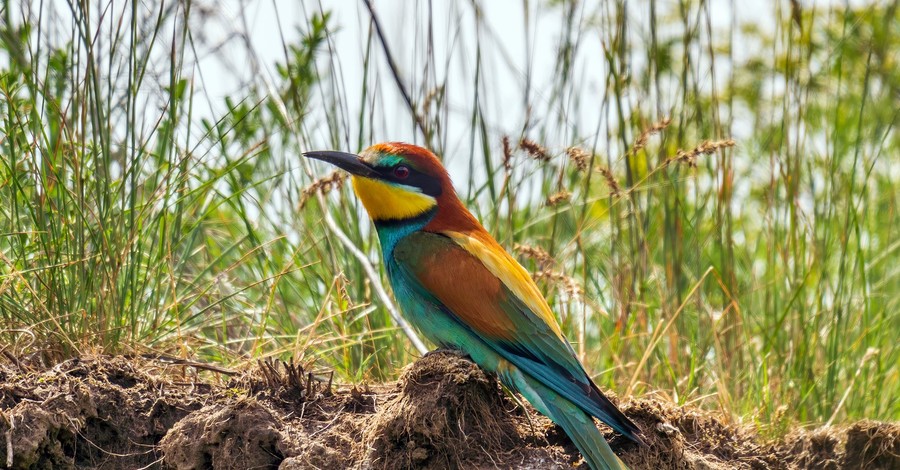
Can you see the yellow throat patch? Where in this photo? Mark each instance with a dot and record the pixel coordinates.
(384, 201)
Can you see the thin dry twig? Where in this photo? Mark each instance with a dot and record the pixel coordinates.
(433, 96)
(185, 362)
(395, 71)
(11, 422)
(371, 274)
(286, 376)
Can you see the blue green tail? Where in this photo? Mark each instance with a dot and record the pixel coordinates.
(577, 424)
(584, 434)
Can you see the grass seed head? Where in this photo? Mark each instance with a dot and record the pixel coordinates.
(614, 189)
(642, 139)
(534, 150)
(558, 198)
(706, 147)
(507, 153)
(566, 283)
(325, 184)
(536, 253)
(579, 157)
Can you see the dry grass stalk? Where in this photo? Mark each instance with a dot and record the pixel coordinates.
(325, 184)
(534, 150)
(579, 157)
(558, 198)
(642, 139)
(705, 148)
(614, 189)
(544, 260)
(568, 285)
(433, 96)
(507, 153)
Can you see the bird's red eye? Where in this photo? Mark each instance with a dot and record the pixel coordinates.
(401, 172)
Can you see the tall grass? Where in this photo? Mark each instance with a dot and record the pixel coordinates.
(710, 205)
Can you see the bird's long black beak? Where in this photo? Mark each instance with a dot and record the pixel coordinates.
(343, 160)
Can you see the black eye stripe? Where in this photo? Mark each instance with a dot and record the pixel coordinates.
(428, 184)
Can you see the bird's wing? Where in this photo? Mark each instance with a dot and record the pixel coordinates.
(478, 284)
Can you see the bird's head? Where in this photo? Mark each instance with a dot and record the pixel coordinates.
(395, 181)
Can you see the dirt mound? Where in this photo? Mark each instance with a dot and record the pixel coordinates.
(442, 408)
(240, 434)
(443, 413)
(88, 413)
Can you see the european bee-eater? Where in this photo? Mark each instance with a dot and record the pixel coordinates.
(463, 291)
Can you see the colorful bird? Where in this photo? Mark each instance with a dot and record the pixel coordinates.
(463, 291)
